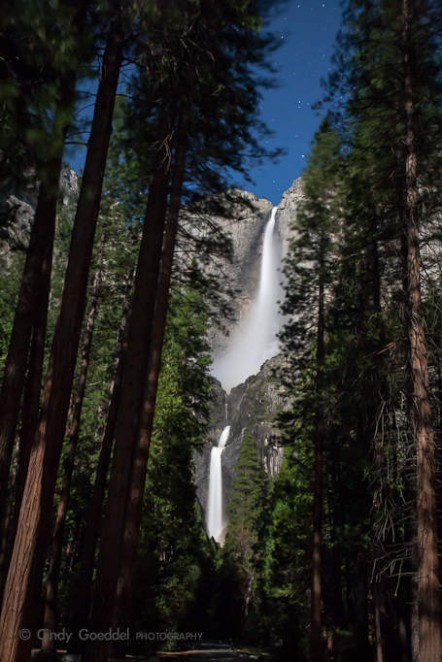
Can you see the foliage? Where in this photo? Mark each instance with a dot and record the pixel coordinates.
(243, 545)
(285, 577)
(175, 556)
(365, 396)
(9, 278)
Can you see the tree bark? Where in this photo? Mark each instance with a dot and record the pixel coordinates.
(50, 614)
(378, 612)
(134, 506)
(35, 514)
(83, 592)
(31, 397)
(316, 642)
(33, 298)
(428, 596)
(128, 417)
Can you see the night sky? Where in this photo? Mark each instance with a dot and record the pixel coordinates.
(307, 29)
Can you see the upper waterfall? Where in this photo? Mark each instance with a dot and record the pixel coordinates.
(255, 338)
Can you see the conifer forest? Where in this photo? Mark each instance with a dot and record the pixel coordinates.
(220, 420)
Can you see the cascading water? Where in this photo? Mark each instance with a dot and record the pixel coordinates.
(215, 515)
(254, 341)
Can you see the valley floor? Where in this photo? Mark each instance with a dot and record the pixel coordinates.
(210, 652)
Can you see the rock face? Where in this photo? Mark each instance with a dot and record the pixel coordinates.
(250, 407)
(245, 227)
(253, 405)
(16, 216)
(17, 208)
(287, 210)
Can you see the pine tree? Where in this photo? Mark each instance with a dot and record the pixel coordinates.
(245, 515)
(428, 594)
(286, 575)
(172, 547)
(57, 72)
(387, 59)
(309, 277)
(34, 524)
(55, 556)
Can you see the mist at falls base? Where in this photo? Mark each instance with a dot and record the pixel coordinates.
(253, 342)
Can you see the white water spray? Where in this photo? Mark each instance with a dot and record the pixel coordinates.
(254, 341)
(215, 513)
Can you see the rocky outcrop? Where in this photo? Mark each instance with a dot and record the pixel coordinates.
(244, 225)
(17, 208)
(68, 185)
(17, 205)
(287, 210)
(251, 407)
(16, 218)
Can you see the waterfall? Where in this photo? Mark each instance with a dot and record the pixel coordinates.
(215, 516)
(254, 340)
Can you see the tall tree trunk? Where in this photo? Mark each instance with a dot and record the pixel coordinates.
(31, 402)
(379, 608)
(316, 641)
(35, 276)
(35, 514)
(414, 622)
(32, 392)
(136, 492)
(31, 405)
(83, 590)
(428, 596)
(50, 614)
(128, 417)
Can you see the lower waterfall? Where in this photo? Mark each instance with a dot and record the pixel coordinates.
(215, 512)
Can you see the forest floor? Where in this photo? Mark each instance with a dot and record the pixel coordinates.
(214, 652)
(204, 652)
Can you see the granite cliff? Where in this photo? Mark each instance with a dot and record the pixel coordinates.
(253, 405)
(17, 207)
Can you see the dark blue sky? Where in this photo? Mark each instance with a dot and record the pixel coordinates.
(307, 29)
